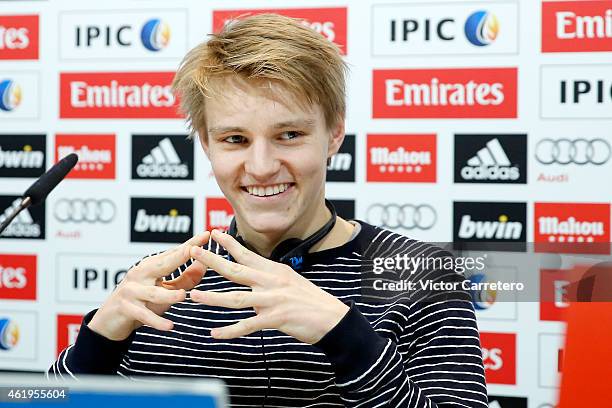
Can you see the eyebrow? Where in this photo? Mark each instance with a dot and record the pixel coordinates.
(299, 123)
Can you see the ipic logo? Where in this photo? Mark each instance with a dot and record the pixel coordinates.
(491, 158)
(9, 333)
(401, 158)
(572, 91)
(162, 157)
(490, 222)
(331, 22)
(445, 93)
(430, 28)
(10, 95)
(499, 357)
(22, 155)
(19, 37)
(18, 276)
(29, 224)
(482, 28)
(96, 155)
(342, 165)
(161, 219)
(125, 34)
(485, 298)
(219, 213)
(576, 26)
(155, 35)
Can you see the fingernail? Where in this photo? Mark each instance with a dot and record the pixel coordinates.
(196, 250)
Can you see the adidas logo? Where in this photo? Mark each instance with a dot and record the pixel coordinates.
(501, 229)
(490, 163)
(163, 161)
(23, 226)
(24, 159)
(173, 222)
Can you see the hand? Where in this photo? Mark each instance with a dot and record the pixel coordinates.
(142, 296)
(282, 298)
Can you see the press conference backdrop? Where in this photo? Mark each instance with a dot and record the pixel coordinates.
(460, 114)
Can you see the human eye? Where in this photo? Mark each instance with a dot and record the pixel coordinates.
(291, 134)
(234, 139)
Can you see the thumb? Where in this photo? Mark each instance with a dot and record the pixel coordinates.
(188, 279)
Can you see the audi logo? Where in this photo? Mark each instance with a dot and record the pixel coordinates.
(84, 210)
(407, 216)
(577, 151)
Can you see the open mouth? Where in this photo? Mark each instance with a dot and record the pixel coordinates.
(267, 191)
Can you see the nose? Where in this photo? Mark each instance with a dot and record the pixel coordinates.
(262, 162)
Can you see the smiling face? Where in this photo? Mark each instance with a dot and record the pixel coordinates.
(269, 154)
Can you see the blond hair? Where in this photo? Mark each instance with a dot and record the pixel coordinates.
(270, 47)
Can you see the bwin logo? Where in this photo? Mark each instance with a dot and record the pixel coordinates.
(23, 159)
(340, 162)
(173, 222)
(490, 163)
(23, 225)
(501, 229)
(10, 95)
(155, 35)
(482, 28)
(163, 161)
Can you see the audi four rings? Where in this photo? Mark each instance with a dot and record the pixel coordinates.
(84, 210)
(407, 216)
(577, 151)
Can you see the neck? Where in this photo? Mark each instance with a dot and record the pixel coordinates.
(264, 243)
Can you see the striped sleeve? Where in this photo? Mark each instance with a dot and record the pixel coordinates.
(438, 364)
(91, 353)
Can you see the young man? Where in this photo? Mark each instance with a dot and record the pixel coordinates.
(266, 98)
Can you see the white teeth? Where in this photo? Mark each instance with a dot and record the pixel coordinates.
(267, 191)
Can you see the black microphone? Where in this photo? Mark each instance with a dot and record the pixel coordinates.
(41, 188)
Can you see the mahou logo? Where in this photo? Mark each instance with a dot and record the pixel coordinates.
(445, 93)
(219, 213)
(499, 357)
(576, 26)
(564, 226)
(68, 327)
(18, 277)
(402, 158)
(127, 95)
(19, 37)
(96, 155)
(328, 21)
(161, 219)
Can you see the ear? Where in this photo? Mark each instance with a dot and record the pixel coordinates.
(336, 137)
(203, 138)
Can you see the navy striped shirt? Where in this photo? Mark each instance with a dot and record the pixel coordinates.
(386, 352)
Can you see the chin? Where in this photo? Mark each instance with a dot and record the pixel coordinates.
(271, 223)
